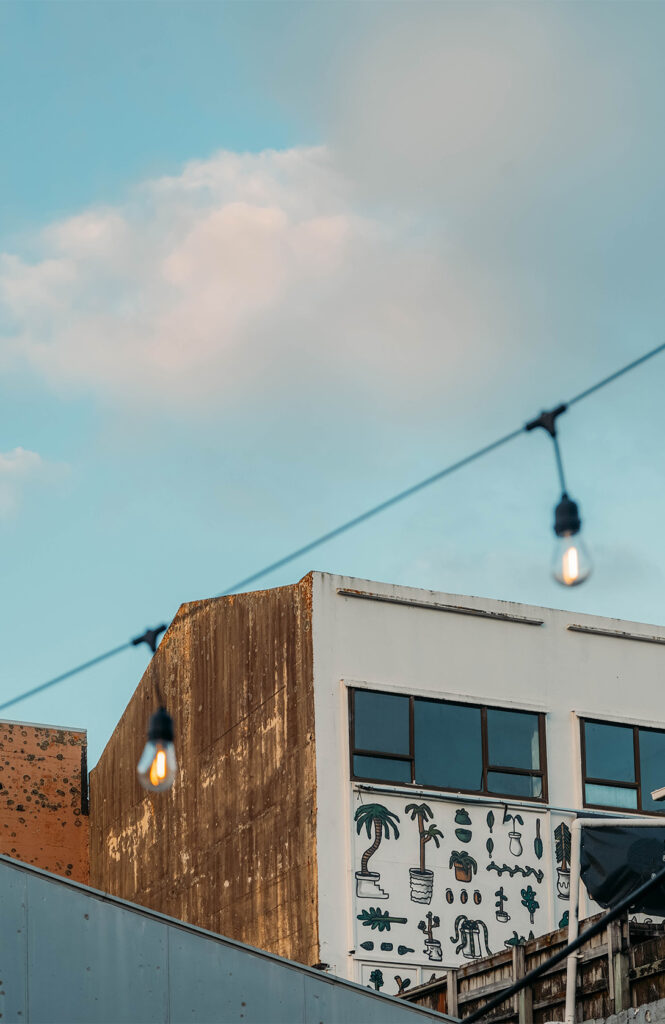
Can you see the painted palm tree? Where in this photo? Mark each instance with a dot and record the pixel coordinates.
(378, 819)
(421, 879)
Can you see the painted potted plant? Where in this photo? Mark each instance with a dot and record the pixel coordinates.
(464, 864)
(562, 851)
(432, 948)
(468, 936)
(501, 914)
(515, 837)
(376, 818)
(421, 879)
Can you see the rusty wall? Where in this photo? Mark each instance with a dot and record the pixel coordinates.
(44, 798)
(232, 846)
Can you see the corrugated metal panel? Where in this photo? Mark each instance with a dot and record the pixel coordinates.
(13, 946)
(69, 954)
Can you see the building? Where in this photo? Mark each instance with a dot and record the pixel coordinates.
(376, 778)
(124, 964)
(44, 797)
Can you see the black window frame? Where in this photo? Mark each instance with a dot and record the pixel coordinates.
(540, 772)
(635, 786)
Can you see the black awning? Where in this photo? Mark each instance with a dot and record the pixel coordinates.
(616, 859)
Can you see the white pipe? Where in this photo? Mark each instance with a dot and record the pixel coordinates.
(574, 912)
(573, 918)
(471, 798)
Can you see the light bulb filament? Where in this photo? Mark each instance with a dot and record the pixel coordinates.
(158, 768)
(570, 568)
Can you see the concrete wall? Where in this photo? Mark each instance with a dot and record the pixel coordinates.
(44, 797)
(402, 647)
(121, 964)
(649, 1013)
(232, 846)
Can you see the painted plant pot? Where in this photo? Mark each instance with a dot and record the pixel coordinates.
(502, 916)
(515, 845)
(422, 885)
(463, 872)
(367, 886)
(563, 883)
(433, 949)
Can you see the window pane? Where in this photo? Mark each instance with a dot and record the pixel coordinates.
(652, 767)
(514, 785)
(512, 738)
(381, 722)
(611, 796)
(448, 745)
(609, 752)
(382, 768)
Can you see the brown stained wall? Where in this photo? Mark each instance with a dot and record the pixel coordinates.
(232, 846)
(44, 798)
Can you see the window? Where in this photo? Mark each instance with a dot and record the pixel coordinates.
(621, 765)
(444, 745)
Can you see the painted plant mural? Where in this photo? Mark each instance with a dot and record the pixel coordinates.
(421, 879)
(562, 848)
(376, 818)
(454, 883)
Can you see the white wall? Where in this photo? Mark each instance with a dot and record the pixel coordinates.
(406, 649)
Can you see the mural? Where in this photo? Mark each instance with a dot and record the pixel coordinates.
(392, 978)
(433, 948)
(515, 837)
(421, 878)
(562, 847)
(468, 936)
(379, 818)
(452, 883)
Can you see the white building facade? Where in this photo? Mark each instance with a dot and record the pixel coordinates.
(456, 738)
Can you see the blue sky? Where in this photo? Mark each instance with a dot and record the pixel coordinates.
(262, 265)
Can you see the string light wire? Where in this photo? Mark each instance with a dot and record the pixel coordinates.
(344, 527)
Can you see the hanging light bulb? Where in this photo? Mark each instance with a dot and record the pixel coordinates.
(157, 766)
(571, 563)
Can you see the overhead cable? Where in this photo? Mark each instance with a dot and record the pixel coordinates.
(151, 635)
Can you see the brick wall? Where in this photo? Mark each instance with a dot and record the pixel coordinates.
(44, 798)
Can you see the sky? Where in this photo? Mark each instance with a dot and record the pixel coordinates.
(262, 265)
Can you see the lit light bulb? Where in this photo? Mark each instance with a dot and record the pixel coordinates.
(157, 767)
(571, 563)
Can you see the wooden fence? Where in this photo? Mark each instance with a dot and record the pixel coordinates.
(623, 966)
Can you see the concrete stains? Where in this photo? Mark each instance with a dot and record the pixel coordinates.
(232, 847)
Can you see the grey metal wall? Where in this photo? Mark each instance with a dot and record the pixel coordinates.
(69, 954)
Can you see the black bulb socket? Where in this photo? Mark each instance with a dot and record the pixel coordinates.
(161, 726)
(567, 520)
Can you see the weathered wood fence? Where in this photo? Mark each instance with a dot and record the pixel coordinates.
(623, 966)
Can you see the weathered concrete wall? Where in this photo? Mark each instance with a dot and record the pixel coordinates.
(44, 798)
(649, 1013)
(232, 846)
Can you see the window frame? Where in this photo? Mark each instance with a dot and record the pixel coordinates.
(540, 772)
(635, 786)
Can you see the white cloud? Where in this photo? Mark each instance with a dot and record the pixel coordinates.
(490, 200)
(245, 274)
(20, 468)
